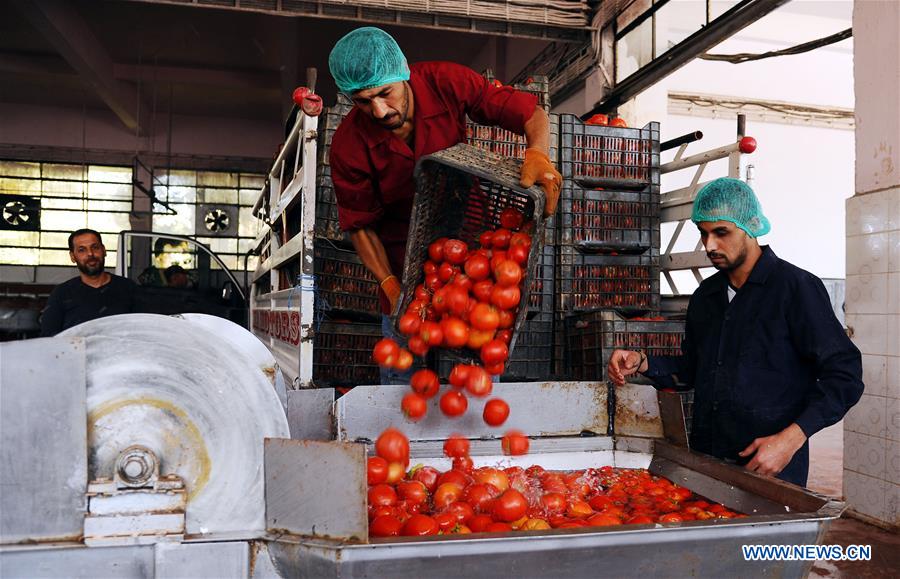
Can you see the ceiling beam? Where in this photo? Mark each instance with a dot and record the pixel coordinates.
(70, 35)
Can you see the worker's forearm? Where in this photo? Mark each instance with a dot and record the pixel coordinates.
(372, 253)
(537, 131)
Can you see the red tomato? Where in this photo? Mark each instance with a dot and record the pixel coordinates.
(579, 509)
(496, 411)
(456, 446)
(480, 523)
(498, 257)
(517, 254)
(457, 299)
(482, 290)
(420, 525)
(456, 332)
(457, 477)
(463, 282)
(431, 333)
(404, 361)
(433, 282)
(428, 476)
(436, 251)
(504, 336)
(520, 238)
(478, 382)
(396, 472)
(510, 506)
(446, 493)
(377, 511)
(499, 528)
(618, 122)
(376, 470)
(382, 495)
(463, 463)
(493, 476)
(602, 520)
(506, 297)
(508, 273)
(515, 443)
(422, 293)
(485, 317)
(639, 520)
(462, 511)
(385, 526)
(412, 491)
(478, 267)
(494, 352)
(425, 383)
(409, 324)
(500, 239)
(478, 338)
(495, 369)
(413, 406)
(385, 352)
(507, 320)
(671, 518)
(480, 495)
(393, 446)
(447, 271)
(511, 218)
(458, 375)
(454, 403)
(554, 503)
(598, 119)
(600, 502)
(486, 239)
(430, 267)
(455, 251)
(417, 345)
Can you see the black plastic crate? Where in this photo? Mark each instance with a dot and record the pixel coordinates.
(613, 157)
(591, 338)
(609, 221)
(342, 354)
(460, 193)
(628, 283)
(507, 143)
(344, 286)
(326, 205)
(540, 295)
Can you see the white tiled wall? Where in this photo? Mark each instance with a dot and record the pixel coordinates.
(872, 427)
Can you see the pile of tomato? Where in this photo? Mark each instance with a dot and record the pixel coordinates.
(464, 499)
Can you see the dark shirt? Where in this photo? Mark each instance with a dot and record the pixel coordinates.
(74, 302)
(774, 356)
(372, 169)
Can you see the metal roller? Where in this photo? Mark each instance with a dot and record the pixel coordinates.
(198, 402)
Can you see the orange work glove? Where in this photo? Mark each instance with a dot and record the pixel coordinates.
(537, 168)
(391, 288)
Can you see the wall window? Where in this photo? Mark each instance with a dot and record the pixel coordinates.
(41, 203)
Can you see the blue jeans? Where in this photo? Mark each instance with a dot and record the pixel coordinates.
(389, 375)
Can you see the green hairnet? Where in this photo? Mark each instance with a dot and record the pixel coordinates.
(727, 199)
(366, 58)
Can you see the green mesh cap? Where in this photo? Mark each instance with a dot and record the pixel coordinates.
(366, 58)
(727, 199)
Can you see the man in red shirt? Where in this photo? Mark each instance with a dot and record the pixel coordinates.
(402, 113)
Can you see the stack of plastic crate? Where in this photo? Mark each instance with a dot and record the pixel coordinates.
(326, 205)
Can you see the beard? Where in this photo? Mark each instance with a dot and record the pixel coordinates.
(726, 264)
(396, 119)
(91, 268)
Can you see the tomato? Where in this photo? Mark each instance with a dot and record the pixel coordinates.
(572, 525)
(457, 477)
(458, 375)
(478, 383)
(505, 298)
(431, 333)
(429, 268)
(433, 282)
(496, 411)
(480, 523)
(492, 476)
(404, 361)
(478, 338)
(409, 324)
(446, 271)
(455, 251)
(425, 383)
(385, 352)
(600, 502)
(478, 267)
(504, 336)
(639, 520)
(379, 510)
(618, 122)
(511, 218)
(680, 494)
(602, 520)
(509, 506)
(393, 446)
(417, 346)
(463, 463)
(463, 282)
(535, 471)
(554, 503)
(498, 257)
(382, 495)
(482, 290)
(454, 403)
(420, 525)
(508, 273)
(495, 369)
(671, 518)
(552, 483)
(578, 509)
(485, 317)
(515, 443)
(418, 308)
(598, 119)
(422, 293)
(455, 331)
(520, 238)
(457, 300)
(462, 511)
(486, 239)
(535, 525)
(396, 472)
(412, 491)
(498, 528)
(507, 320)
(494, 351)
(445, 521)
(517, 254)
(385, 526)
(436, 251)
(479, 496)
(446, 493)
(455, 446)
(376, 470)
(413, 406)
(428, 476)
(500, 239)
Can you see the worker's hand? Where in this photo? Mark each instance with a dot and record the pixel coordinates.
(537, 168)
(773, 453)
(391, 288)
(624, 363)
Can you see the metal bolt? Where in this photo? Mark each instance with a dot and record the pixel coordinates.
(137, 466)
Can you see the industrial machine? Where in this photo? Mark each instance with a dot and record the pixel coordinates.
(152, 446)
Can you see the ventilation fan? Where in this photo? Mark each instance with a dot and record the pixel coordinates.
(216, 220)
(20, 213)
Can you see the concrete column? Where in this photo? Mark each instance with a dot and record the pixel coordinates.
(872, 427)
